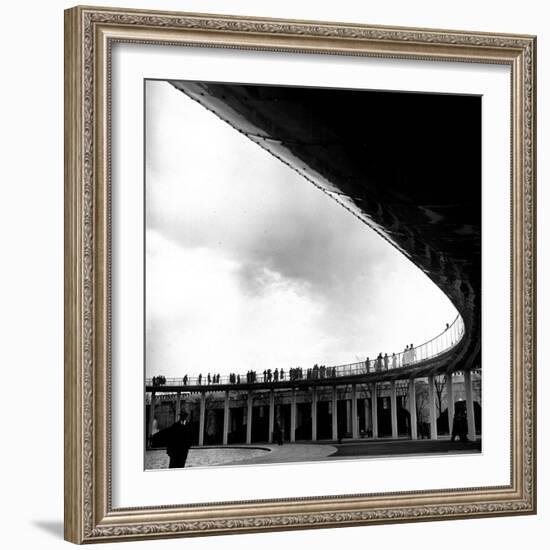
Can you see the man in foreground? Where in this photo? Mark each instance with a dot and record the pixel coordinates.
(178, 441)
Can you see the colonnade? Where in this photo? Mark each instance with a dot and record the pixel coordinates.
(370, 410)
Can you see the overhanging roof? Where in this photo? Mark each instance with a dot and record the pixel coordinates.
(407, 164)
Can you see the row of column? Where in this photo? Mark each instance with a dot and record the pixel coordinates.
(371, 412)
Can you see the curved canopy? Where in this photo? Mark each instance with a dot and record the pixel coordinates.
(407, 164)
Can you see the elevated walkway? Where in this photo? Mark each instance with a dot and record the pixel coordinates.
(430, 358)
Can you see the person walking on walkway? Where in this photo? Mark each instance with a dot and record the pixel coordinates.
(341, 432)
(278, 434)
(460, 422)
(413, 354)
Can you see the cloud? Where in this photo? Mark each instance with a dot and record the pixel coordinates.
(198, 318)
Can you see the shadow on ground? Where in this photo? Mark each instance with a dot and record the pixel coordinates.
(52, 527)
(407, 447)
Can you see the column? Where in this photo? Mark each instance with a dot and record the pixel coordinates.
(249, 405)
(271, 425)
(178, 406)
(226, 418)
(469, 405)
(202, 414)
(412, 409)
(293, 416)
(432, 408)
(151, 414)
(393, 410)
(348, 415)
(334, 414)
(450, 400)
(354, 416)
(374, 400)
(314, 413)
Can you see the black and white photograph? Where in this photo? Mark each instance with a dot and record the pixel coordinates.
(272, 274)
(312, 274)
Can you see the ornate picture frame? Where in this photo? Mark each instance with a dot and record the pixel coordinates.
(90, 34)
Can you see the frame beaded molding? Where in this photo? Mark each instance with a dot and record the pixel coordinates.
(86, 521)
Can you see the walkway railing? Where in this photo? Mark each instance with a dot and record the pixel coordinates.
(383, 362)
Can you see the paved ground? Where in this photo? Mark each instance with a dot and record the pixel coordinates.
(206, 456)
(310, 452)
(292, 452)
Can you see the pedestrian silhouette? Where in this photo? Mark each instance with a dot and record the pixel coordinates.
(278, 434)
(460, 422)
(177, 439)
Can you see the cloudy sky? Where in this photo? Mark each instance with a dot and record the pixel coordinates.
(249, 266)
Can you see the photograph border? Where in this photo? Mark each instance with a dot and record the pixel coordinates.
(89, 36)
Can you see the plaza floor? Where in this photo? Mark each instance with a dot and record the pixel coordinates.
(310, 452)
(206, 456)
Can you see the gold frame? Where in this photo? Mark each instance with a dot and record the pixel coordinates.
(89, 34)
